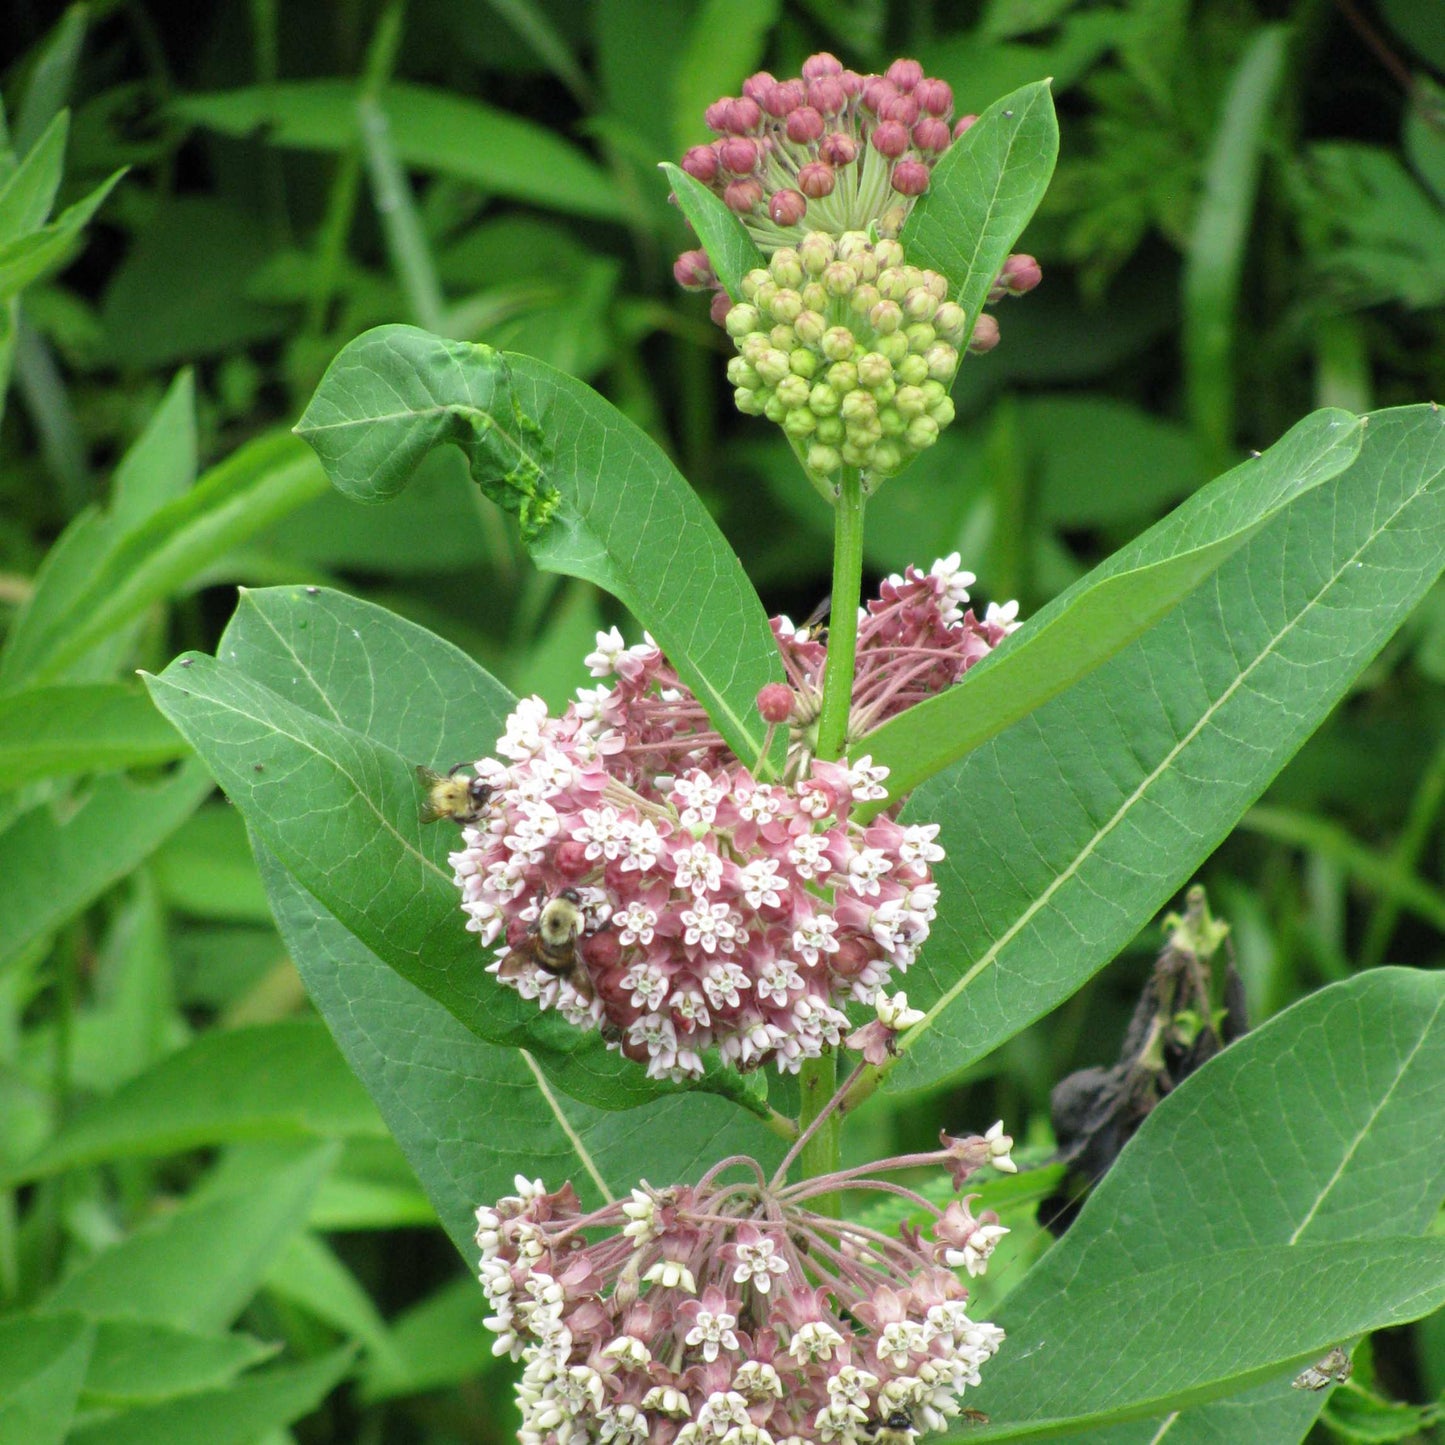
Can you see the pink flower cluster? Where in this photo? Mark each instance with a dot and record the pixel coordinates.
(730, 1311)
(718, 910)
(833, 147)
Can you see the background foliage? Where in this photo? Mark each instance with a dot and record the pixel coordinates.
(208, 1228)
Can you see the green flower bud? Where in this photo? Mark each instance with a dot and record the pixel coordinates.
(856, 456)
(950, 322)
(874, 369)
(815, 295)
(863, 299)
(893, 284)
(741, 374)
(815, 251)
(809, 327)
(892, 421)
(787, 304)
(867, 430)
(752, 281)
(886, 317)
(883, 392)
(774, 410)
(741, 320)
(843, 377)
(920, 336)
(933, 393)
(823, 400)
(803, 362)
(783, 337)
(909, 402)
(937, 285)
(773, 365)
(823, 459)
(942, 412)
(888, 252)
(792, 391)
(857, 406)
(852, 244)
(800, 423)
(837, 343)
(913, 370)
(942, 361)
(921, 305)
(752, 346)
(894, 347)
(922, 432)
(839, 279)
(887, 456)
(749, 401)
(831, 430)
(786, 267)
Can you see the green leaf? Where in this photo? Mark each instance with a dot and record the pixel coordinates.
(982, 193)
(239, 1414)
(53, 865)
(731, 250)
(29, 257)
(135, 1362)
(726, 39)
(42, 1366)
(1261, 1148)
(470, 1116)
(205, 868)
(438, 1343)
(278, 1080)
(290, 762)
(596, 497)
(195, 1268)
(1068, 831)
(26, 198)
(161, 464)
(309, 1274)
(47, 732)
(430, 129)
(1118, 601)
(1284, 1308)
(51, 77)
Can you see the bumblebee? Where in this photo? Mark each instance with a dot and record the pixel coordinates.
(551, 944)
(453, 795)
(896, 1429)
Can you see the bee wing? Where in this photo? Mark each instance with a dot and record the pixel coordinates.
(429, 778)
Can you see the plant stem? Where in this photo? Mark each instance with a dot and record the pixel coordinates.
(819, 1154)
(843, 623)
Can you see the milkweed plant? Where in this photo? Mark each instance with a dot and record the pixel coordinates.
(758, 869)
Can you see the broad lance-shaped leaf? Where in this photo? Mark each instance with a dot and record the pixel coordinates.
(470, 1116)
(595, 496)
(324, 776)
(1120, 599)
(1067, 832)
(982, 193)
(1322, 1127)
(42, 1367)
(731, 250)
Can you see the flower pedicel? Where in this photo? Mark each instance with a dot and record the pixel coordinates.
(718, 911)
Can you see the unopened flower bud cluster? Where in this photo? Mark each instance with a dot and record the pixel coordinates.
(850, 350)
(731, 1311)
(721, 911)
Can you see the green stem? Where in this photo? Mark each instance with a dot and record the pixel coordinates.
(818, 1080)
(843, 621)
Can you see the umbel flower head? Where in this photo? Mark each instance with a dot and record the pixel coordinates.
(731, 1311)
(717, 910)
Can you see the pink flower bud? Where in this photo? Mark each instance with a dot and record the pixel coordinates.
(816, 180)
(890, 139)
(739, 155)
(876, 90)
(743, 196)
(910, 178)
(805, 125)
(716, 115)
(572, 859)
(693, 271)
(1020, 274)
(784, 97)
(787, 208)
(963, 125)
(826, 95)
(701, 163)
(985, 335)
(757, 85)
(932, 135)
(838, 149)
(935, 97)
(902, 108)
(744, 116)
(775, 702)
(905, 74)
(718, 309)
(852, 83)
(821, 64)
